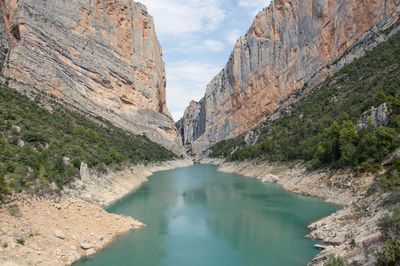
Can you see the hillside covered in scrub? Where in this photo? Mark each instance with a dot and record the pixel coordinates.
(349, 123)
(350, 120)
(42, 147)
(291, 47)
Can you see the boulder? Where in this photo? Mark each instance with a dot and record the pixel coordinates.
(19, 238)
(270, 178)
(59, 234)
(73, 257)
(67, 160)
(378, 117)
(21, 143)
(90, 252)
(251, 138)
(86, 245)
(84, 172)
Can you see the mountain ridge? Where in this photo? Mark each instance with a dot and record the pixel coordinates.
(288, 47)
(103, 57)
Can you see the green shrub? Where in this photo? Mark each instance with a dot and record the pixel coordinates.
(353, 243)
(390, 254)
(335, 261)
(101, 169)
(2, 185)
(58, 165)
(13, 210)
(32, 136)
(390, 181)
(390, 225)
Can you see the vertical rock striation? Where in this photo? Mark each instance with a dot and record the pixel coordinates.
(290, 47)
(192, 125)
(101, 56)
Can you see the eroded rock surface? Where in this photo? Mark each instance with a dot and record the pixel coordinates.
(101, 56)
(378, 117)
(38, 233)
(291, 47)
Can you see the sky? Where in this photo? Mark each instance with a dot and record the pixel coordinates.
(197, 37)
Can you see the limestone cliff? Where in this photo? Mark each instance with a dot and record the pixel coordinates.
(101, 56)
(290, 47)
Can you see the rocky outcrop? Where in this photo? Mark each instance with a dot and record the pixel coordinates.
(290, 48)
(5, 42)
(192, 125)
(378, 117)
(101, 56)
(352, 233)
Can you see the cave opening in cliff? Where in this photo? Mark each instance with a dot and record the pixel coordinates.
(15, 32)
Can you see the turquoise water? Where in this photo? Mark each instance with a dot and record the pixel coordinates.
(198, 216)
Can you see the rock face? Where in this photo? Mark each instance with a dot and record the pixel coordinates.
(101, 56)
(192, 125)
(291, 47)
(378, 117)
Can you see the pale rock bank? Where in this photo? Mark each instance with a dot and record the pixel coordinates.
(351, 232)
(61, 230)
(56, 231)
(106, 189)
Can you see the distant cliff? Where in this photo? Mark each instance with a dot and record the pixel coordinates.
(102, 56)
(291, 47)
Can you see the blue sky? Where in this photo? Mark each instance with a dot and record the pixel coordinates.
(197, 37)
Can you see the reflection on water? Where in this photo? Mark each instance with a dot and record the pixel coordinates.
(198, 216)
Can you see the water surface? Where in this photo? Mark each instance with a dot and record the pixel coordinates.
(198, 216)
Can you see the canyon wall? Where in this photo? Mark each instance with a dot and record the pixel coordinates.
(291, 47)
(101, 56)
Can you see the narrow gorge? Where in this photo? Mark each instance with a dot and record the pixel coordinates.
(308, 105)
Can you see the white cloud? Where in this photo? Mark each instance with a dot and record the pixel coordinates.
(186, 81)
(254, 6)
(193, 31)
(232, 36)
(197, 72)
(213, 45)
(176, 17)
(177, 115)
(260, 4)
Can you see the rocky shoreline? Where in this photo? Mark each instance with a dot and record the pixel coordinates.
(105, 189)
(60, 230)
(351, 232)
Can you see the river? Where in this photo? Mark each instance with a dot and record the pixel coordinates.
(199, 216)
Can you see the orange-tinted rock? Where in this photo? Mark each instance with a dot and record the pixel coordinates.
(102, 56)
(290, 47)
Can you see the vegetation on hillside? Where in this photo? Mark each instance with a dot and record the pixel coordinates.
(390, 254)
(390, 225)
(320, 128)
(43, 150)
(335, 261)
